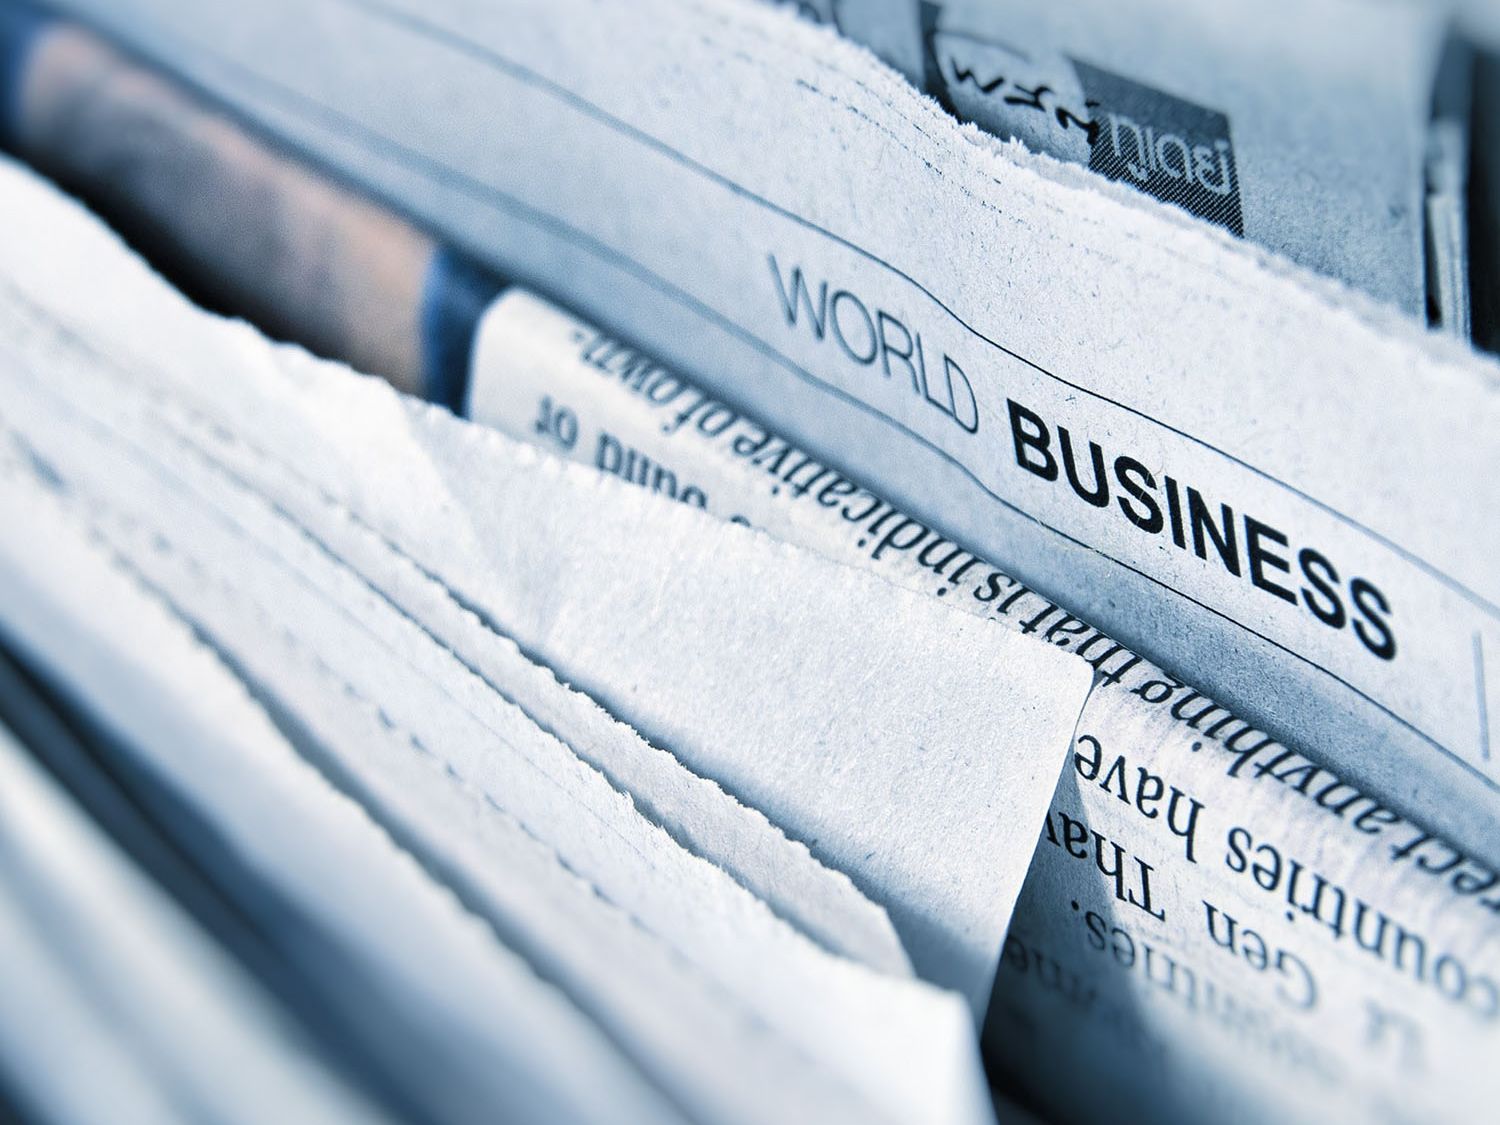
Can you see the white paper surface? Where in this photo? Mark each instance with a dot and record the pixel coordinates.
(44, 1055)
(202, 1039)
(1299, 405)
(1350, 962)
(233, 499)
(959, 790)
(504, 813)
(369, 933)
(697, 813)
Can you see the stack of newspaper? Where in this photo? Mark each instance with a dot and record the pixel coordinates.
(716, 561)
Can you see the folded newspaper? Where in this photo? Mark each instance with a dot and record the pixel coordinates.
(891, 607)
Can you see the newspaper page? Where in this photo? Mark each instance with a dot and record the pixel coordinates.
(1214, 117)
(180, 1004)
(1067, 382)
(363, 931)
(931, 810)
(207, 511)
(1221, 929)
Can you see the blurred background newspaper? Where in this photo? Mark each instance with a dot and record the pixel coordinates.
(1017, 637)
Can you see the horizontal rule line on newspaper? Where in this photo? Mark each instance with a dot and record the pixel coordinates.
(449, 176)
(813, 380)
(321, 115)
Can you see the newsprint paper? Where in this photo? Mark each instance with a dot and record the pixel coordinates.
(343, 635)
(1205, 908)
(1248, 497)
(1051, 370)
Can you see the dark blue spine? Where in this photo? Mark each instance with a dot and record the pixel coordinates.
(20, 24)
(457, 292)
